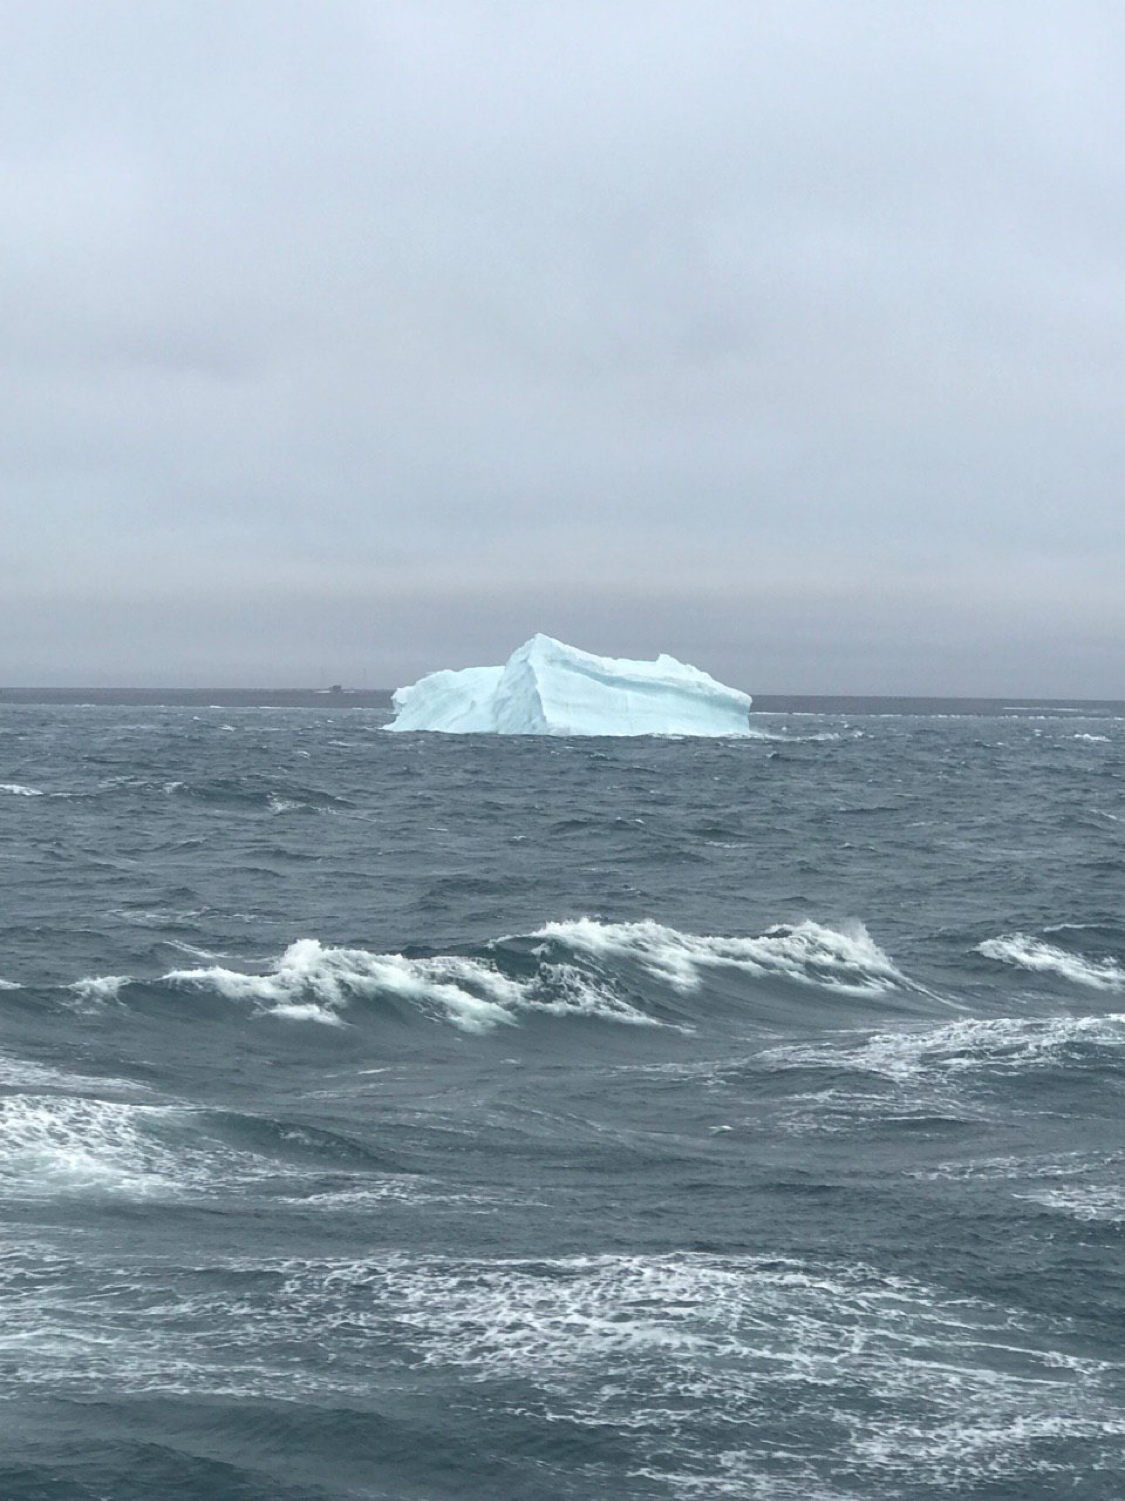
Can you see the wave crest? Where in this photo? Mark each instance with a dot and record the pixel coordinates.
(845, 959)
(315, 983)
(1003, 1045)
(1025, 952)
(577, 969)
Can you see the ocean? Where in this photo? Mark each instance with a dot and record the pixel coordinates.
(421, 1117)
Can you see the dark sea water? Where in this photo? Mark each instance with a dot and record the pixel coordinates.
(427, 1117)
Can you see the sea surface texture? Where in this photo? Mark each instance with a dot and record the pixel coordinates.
(421, 1117)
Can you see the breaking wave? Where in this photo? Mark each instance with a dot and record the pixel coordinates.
(842, 959)
(932, 1080)
(312, 982)
(999, 1044)
(576, 969)
(99, 988)
(55, 1145)
(52, 1144)
(1033, 954)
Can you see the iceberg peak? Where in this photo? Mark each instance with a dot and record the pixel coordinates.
(549, 688)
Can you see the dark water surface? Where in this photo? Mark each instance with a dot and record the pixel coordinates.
(432, 1117)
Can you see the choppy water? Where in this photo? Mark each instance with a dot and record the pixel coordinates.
(420, 1117)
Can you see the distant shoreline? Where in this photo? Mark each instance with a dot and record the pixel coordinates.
(380, 698)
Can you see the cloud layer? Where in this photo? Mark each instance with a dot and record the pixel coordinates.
(341, 341)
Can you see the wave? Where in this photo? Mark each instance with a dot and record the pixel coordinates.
(96, 989)
(1032, 954)
(59, 1145)
(846, 960)
(17, 789)
(26, 1073)
(1084, 1186)
(1086, 1202)
(312, 982)
(791, 739)
(999, 1044)
(253, 793)
(574, 969)
(51, 1144)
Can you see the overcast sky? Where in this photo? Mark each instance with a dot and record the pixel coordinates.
(340, 341)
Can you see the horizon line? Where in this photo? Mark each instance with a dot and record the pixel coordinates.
(340, 693)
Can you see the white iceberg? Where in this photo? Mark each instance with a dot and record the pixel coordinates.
(549, 688)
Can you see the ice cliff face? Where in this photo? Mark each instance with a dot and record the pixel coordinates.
(548, 688)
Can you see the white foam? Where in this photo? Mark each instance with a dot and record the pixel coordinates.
(846, 960)
(997, 1044)
(886, 1380)
(782, 738)
(10, 985)
(1033, 954)
(17, 789)
(659, 1344)
(315, 983)
(25, 1073)
(52, 1145)
(1086, 1202)
(1068, 1183)
(192, 950)
(160, 917)
(306, 1011)
(279, 804)
(97, 989)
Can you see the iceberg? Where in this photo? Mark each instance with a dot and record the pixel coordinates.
(549, 688)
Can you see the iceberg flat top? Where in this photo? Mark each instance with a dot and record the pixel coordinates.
(549, 688)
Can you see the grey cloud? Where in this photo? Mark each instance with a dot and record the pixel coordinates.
(353, 338)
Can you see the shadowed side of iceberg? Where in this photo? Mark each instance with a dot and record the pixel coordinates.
(456, 702)
(549, 688)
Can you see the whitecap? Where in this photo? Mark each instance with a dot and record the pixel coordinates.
(1086, 1202)
(1025, 952)
(17, 789)
(781, 738)
(306, 1011)
(279, 804)
(52, 1144)
(313, 982)
(999, 1044)
(192, 950)
(25, 1073)
(846, 959)
(55, 1145)
(97, 989)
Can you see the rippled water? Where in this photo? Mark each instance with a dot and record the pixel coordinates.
(424, 1117)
